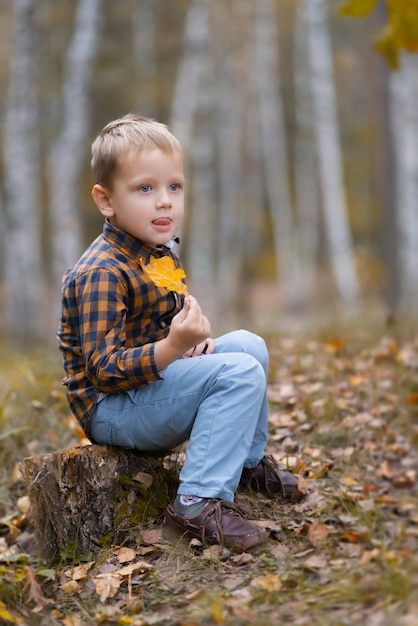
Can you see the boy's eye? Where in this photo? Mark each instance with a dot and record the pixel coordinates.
(174, 187)
(145, 188)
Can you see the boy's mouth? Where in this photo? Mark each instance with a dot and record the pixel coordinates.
(162, 223)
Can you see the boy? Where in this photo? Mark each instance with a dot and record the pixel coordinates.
(141, 369)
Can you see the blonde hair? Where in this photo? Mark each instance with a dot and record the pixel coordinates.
(131, 132)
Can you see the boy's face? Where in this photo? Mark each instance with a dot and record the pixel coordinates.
(147, 195)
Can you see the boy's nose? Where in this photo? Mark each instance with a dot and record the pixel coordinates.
(163, 200)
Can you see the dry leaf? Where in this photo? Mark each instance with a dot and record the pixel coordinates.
(163, 273)
(316, 561)
(23, 504)
(352, 537)
(403, 480)
(317, 533)
(5, 616)
(153, 535)
(245, 558)
(70, 587)
(269, 583)
(144, 478)
(268, 524)
(139, 566)
(124, 555)
(80, 572)
(72, 620)
(32, 588)
(349, 481)
(213, 553)
(107, 585)
(193, 595)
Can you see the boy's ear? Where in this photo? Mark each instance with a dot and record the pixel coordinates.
(101, 196)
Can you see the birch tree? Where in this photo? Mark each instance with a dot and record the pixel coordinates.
(404, 98)
(228, 51)
(191, 116)
(21, 174)
(329, 150)
(273, 139)
(66, 160)
(306, 191)
(143, 45)
(189, 75)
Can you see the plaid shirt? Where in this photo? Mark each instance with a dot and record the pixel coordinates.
(112, 315)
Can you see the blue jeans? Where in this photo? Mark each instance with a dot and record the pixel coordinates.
(216, 402)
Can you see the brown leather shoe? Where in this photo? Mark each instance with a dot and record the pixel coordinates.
(272, 480)
(220, 523)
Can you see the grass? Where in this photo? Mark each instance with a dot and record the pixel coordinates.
(344, 415)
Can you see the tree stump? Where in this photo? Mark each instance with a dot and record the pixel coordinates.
(84, 499)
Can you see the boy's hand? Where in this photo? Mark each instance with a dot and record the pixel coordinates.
(205, 347)
(189, 329)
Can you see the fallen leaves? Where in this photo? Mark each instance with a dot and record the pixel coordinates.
(346, 422)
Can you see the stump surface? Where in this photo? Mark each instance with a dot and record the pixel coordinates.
(83, 499)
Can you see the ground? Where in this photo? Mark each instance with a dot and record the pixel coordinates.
(343, 416)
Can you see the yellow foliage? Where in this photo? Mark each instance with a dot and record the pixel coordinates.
(5, 616)
(163, 273)
(357, 8)
(401, 31)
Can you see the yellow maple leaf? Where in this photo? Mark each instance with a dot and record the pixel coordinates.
(163, 273)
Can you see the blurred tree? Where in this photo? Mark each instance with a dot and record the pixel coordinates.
(273, 139)
(404, 99)
(305, 171)
(201, 246)
(228, 122)
(329, 150)
(383, 166)
(66, 159)
(144, 55)
(23, 270)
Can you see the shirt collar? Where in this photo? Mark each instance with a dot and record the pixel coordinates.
(129, 245)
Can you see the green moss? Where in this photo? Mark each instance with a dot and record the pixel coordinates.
(135, 504)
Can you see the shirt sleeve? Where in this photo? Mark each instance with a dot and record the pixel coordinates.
(103, 301)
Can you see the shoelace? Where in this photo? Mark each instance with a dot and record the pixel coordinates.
(216, 510)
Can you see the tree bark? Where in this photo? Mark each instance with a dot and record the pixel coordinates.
(329, 151)
(84, 499)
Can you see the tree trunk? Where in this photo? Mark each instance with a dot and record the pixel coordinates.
(306, 185)
(183, 107)
(85, 499)
(21, 172)
(195, 131)
(273, 140)
(67, 160)
(229, 116)
(329, 151)
(383, 162)
(144, 53)
(404, 98)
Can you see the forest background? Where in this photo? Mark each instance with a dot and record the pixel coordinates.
(300, 142)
